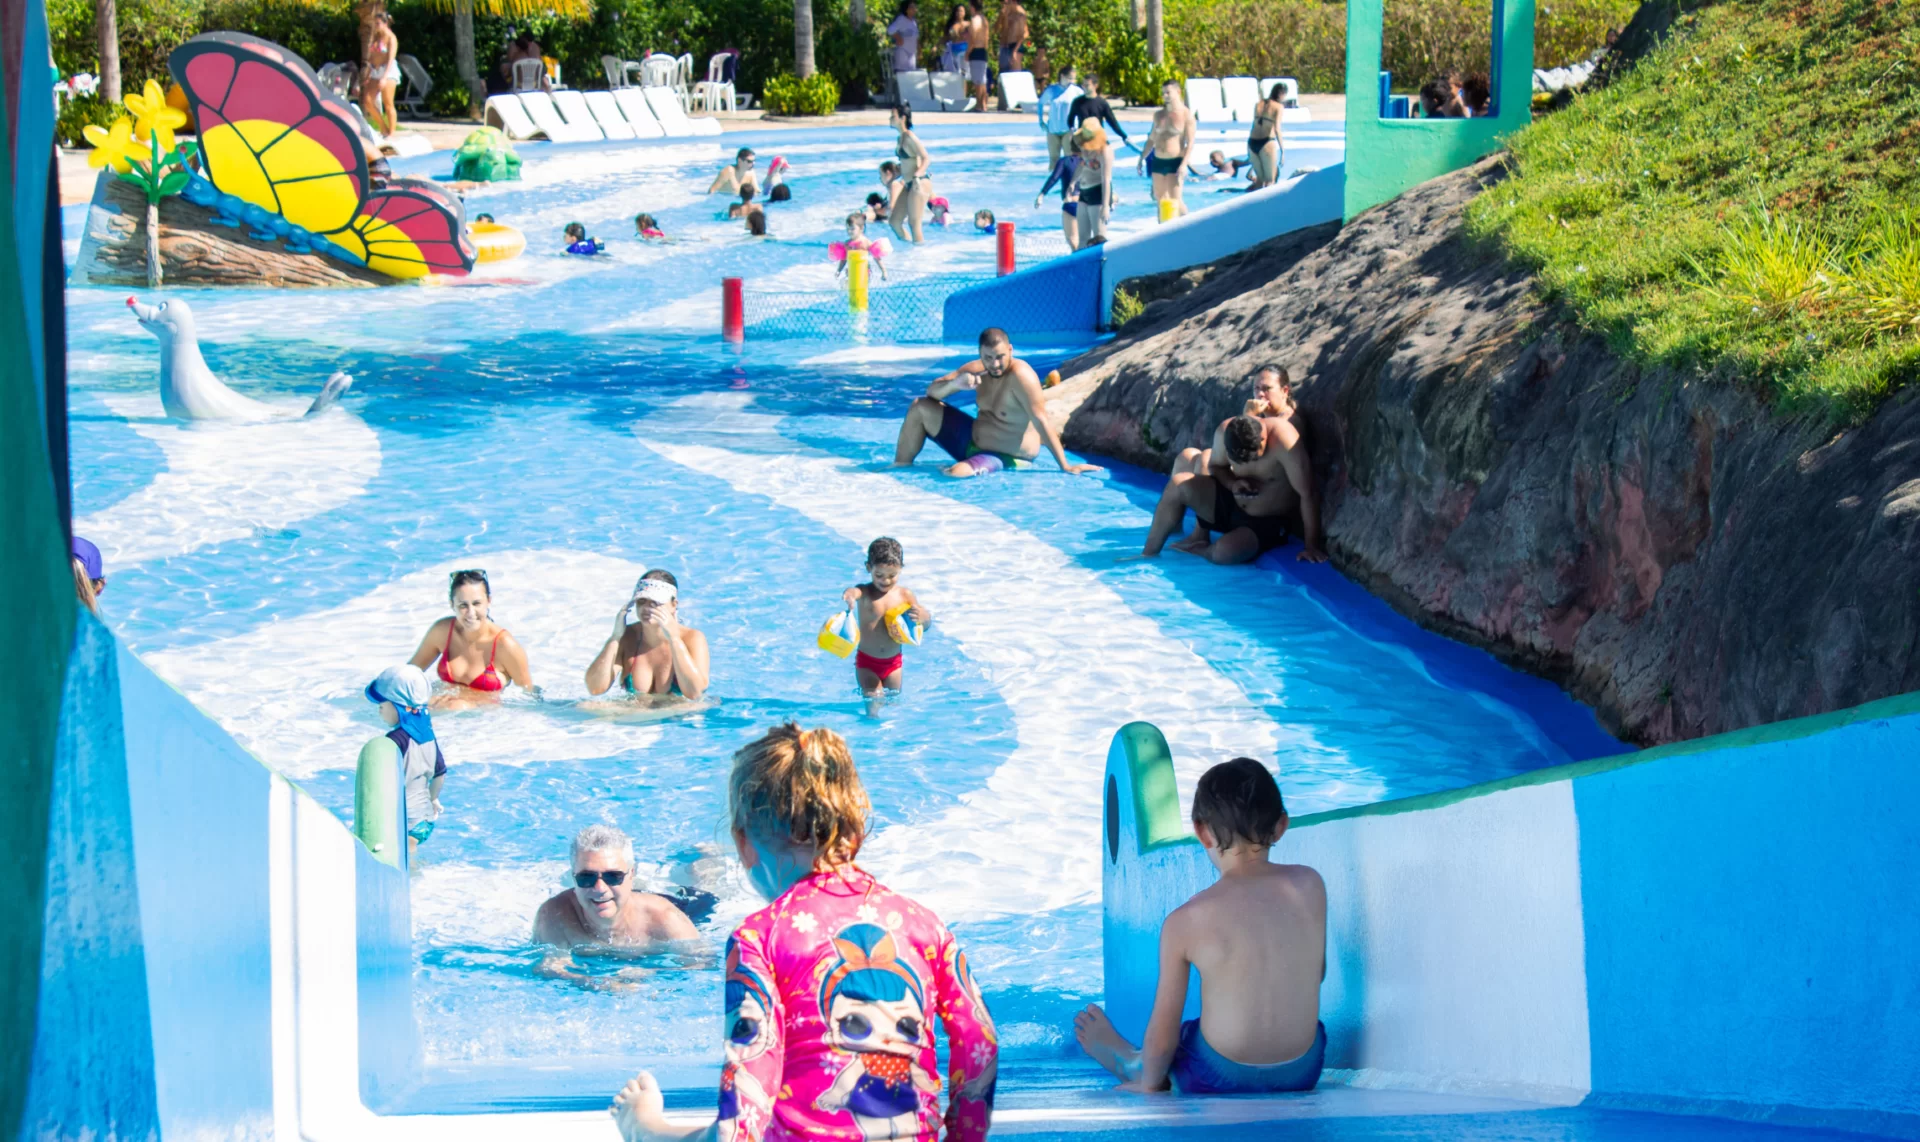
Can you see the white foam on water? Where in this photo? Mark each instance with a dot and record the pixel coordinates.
(1064, 651)
(224, 479)
(559, 604)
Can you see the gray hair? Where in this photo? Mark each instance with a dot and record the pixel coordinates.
(601, 839)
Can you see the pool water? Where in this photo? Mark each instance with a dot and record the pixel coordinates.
(567, 434)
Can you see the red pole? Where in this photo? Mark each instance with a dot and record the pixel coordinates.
(733, 311)
(1005, 237)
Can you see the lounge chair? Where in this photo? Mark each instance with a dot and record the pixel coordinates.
(1206, 101)
(572, 105)
(1241, 93)
(633, 105)
(419, 86)
(1290, 109)
(665, 105)
(606, 113)
(950, 91)
(540, 109)
(506, 113)
(916, 90)
(1016, 91)
(529, 75)
(716, 91)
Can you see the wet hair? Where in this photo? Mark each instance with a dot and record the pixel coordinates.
(757, 223)
(461, 579)
(645, 222)
(83, 588)
(1433, 97)
(905, 112)
(779, 193)
(1218, 158)
(483, 218)
(663, 575)
(1238, 801)
(1245, 435)
(886, 549)
(600, 839)
(1286, 379)
(742, 153)
(1476, 91)
(575, 232)
(986, 214)
(876, 199)
(857, 219)
(889, 167)
(747, 192)
(800, 786)
(1274, 91)
(994, 335)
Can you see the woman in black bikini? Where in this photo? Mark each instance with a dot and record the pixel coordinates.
(1263, 142)
(910, 204)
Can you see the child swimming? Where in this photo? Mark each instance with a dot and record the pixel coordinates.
(983, 221)
(1258, 938)
(876, 248)
(937, 210)
(876, 208)
(741, 208)
(833, 988)
(579, 243)
(879, 664)
(644, 226)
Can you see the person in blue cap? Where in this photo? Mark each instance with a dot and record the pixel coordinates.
(89, 578)
(402, 693)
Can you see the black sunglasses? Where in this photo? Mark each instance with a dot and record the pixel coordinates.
(613, 876)
(476, 572)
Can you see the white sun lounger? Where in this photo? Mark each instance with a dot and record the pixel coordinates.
(1290, 109)
(673, 118)
(539, 107)
(505, 112)
(1242, 94)
(607, 114)
(1016, 91)
(950, 91)
(572, 105)
(1209, 106)
(915, 90)
(633, 104)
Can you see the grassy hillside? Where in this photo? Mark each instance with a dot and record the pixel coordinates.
(1744, 202)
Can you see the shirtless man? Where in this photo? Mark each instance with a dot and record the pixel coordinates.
(977, 54)
(1267, 475)
(1012, 29)
(1011, 422)
(1284, 469)
(1168, 146)
(1258, 938)
(602, 908)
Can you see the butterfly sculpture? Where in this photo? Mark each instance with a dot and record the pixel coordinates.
(285, 156)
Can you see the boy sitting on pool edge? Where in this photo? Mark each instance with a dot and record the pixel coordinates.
(1258, 938)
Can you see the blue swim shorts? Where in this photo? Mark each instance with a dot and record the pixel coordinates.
(1199, 1069)
(420, 831)
(956, 439)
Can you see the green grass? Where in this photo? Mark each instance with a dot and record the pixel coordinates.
(1742, 203)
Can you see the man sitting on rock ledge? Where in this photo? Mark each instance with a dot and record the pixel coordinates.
(1243, 489)
(1012, 419)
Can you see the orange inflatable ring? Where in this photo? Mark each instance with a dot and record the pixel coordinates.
(494, 242)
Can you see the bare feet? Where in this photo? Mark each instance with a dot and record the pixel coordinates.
(1101, 1041)
(638, 1109)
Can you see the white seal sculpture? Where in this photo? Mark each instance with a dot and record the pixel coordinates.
(188, 389)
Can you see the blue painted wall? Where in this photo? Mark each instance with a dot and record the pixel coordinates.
(390, 1059)
(1060, 296)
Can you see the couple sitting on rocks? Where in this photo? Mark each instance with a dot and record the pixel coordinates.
(1248, 487)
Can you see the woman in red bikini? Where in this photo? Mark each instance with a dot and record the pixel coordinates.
(476, 655)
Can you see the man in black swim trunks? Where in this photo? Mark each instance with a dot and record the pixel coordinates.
(1243, 503)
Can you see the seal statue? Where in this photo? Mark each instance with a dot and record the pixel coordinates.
(188, 389)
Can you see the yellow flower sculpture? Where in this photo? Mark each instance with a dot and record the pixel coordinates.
(154, 115)
(112, 145)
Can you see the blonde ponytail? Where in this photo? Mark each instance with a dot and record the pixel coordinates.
(800, 785)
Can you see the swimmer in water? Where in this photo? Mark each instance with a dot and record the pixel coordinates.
(645, 227)
(602, 909)
(876, 208)
(740, 174)
(757, 223)
(458, 642)
(777, 171)
(937, 210)
(579, 243)
(653, 654)
(857, 240)
(741, 208)
(879, 664)
(983, 221)
(780, 193)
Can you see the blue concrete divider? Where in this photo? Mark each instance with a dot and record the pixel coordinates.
(1060, 296)
(1722, 927)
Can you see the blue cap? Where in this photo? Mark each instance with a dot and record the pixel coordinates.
(407, 687)
(89, 557)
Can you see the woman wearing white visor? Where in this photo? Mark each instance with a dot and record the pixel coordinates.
(651, 653)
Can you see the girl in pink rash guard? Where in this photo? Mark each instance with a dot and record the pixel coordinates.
(832, 990)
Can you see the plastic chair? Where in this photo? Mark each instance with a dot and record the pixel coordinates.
(506, 113)
(717, 89)
(1016, 91)
(1241, 93)
(683, 80)
(616, 72)
(529, 75)
(540, 108)
(664, 102)
(573, 106)
(1208, 104)
(633, 104)
(419, 86)
(915, 90)
(658, 70)
(950, 92)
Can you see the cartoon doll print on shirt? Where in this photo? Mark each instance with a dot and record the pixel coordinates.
(875, 1010)
(744, 1103)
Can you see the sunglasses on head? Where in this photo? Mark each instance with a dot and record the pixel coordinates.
(613, 876)
(475, 572)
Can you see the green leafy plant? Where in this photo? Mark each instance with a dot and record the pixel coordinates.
(853, 57)
(79, 113)
(1126, 307)
(1128, 71)
(818, 94)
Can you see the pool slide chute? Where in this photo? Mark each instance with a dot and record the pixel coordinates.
(1720, 927)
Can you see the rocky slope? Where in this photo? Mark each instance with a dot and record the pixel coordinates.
(1680, 557)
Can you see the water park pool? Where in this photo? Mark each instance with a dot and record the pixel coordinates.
(577, 421)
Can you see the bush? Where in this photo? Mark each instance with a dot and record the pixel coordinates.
(853, 57)
(817, 94)
(149, 31)
(81, 112)
(1128, 72)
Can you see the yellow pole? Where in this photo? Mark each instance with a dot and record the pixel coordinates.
(857, 280)
(1167, 208)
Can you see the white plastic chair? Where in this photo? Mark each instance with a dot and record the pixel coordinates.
(715, 91)
(1241, 94)
(915, 90)
(665, 105)
(658, 70)
(633, 104)
(529, 75)
(950, 92)
(540, 109)
(606, 113)
(573, 106)
(615, 70)
(1016, 91)
(506, 113)
(683, 80)
(1207, 102)
(419, 86)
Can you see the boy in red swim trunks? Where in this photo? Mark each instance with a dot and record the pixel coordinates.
(878, 664)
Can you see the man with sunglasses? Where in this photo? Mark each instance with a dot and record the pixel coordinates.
(602, 907)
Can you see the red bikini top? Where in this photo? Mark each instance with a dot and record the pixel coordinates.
(487, 679)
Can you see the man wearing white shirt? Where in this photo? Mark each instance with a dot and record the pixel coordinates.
(1055, 103)
(904, 35)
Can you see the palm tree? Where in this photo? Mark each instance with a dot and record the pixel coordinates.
(464, 56)
(1156, 32)
(803, 38)
(106, 26)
